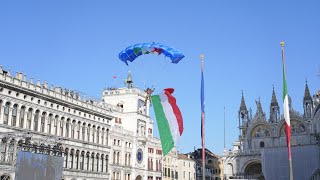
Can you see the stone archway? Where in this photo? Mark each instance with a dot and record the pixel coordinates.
(254, 170)
(138, 177)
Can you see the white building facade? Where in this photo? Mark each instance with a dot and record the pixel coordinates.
(108, 139)
(186, 167)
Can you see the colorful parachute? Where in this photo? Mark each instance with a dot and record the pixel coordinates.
(132, 52)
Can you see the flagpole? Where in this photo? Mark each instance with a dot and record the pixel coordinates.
(202, 121)
(224, 128)
(286, 112)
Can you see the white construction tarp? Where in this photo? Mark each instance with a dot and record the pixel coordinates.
(275, 164)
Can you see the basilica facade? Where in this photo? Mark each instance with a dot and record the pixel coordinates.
(111, 138)
(262, 139)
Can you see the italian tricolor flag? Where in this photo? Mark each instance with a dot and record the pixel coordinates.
(286, 112)
(286, 108)
(169, 119)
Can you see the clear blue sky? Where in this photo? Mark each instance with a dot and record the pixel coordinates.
(75, 44)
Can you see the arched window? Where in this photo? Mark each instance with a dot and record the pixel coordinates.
(129, 160)
(118, 157)
(21, 119)
(82, 161)
(83, 131)
(6, 113)
(43, 119)
(66, 158)
(77, 160)
(88, 133)
(72, 129)
(97, 162)
(230, 169)
(261, 144)
(92, 135)
(98, 135)
(107, 162)
(55, 125)
(11, 150)
(67, 128)
(102, 163)
(92, 162)
(3, 149)
(78, 130)
(125, 159)
(71, 159)
(114, 157)
(50, 122)
(88, 160)
(102, 136)
(29, 118)
(14, 115)
(61, 126)
(36, 119)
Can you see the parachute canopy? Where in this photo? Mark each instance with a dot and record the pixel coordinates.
(132, 52)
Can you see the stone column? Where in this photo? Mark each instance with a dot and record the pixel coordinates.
(46, 119)
(58, 126)
(39, 122)
(80, 131)
(85, 133)
(88, 130)
(103, 135)
(1, 112)
(69, 129)
(94, 132)
(32, 120)
(18, 117)
(63, 129)
(52, 125)
(10, 115)
(25, 118)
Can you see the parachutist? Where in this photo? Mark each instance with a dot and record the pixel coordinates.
(148, 96)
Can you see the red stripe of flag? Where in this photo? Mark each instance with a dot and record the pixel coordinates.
(175, 108)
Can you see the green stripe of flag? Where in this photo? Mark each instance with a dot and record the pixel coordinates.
(285, 88)
(163, 125)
